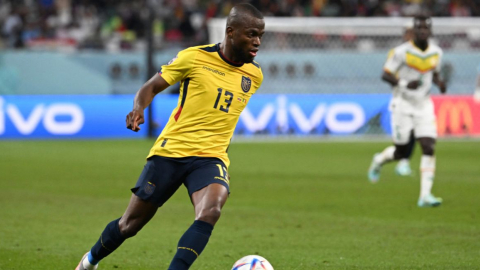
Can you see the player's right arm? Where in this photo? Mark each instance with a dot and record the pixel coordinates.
(393, 81)
(392, 65)
(389, 78)
(142, 100)
(176, 70)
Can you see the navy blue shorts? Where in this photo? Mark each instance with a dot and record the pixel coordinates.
(162, 176)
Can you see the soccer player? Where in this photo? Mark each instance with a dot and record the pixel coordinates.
(217, 82)
(417, 65)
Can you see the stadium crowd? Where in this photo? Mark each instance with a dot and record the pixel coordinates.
(116, 25)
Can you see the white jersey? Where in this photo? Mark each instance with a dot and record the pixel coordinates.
(409, 63)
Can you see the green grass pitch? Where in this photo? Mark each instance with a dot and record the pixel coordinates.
(301, 205)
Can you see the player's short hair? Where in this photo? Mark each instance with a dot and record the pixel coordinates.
(240, 12)
(422, 17)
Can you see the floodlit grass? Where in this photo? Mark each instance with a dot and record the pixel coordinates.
(300, 205)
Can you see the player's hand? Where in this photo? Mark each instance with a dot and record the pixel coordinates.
(442, 86)
(135, 119)
(413, 85)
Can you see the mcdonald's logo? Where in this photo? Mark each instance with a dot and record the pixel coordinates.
(454, 117)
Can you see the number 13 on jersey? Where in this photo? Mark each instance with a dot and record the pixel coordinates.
(228, 100)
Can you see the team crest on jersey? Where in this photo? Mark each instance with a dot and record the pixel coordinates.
(149, 188)
(246, 84)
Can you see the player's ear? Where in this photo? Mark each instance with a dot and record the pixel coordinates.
(229, 32)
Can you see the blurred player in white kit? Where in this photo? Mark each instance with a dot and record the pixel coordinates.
(410, 69)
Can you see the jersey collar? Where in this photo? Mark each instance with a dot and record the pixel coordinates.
(416, 47)
(224, 58)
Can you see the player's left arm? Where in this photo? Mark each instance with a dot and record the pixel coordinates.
(440, 82)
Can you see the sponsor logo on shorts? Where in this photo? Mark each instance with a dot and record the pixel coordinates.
(149, 188)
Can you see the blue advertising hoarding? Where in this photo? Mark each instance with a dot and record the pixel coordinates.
(103, 116)
(315, 114)
(39, 117)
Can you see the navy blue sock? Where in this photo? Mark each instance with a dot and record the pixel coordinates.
(191, 245)
(110, 239)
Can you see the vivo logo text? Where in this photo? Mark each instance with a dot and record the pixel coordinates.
(338, 117)
(56, 118)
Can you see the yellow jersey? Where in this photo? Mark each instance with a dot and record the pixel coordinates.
(213, 93)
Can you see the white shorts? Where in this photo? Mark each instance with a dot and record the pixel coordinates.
(422, 122)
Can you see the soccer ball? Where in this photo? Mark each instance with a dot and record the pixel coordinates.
(252, 262)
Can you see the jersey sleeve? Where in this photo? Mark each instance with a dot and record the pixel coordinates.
(179, 68)
(394, 61)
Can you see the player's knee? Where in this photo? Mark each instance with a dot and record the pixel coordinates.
(428, 150)
(210, 215)
(428, 146)
(128, 228)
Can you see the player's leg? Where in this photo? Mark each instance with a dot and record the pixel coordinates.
(208, 189)
(403, 165)
(427, 168)
(138, 214)
(391, 153)
(378, 160)
(208, 203)
(154, 187)
(402, 125)
(426, 132)
(411, 144)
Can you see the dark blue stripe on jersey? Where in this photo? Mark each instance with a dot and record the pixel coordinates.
(256, 64)
(213, 48)
(184, 97)
(185, 90)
